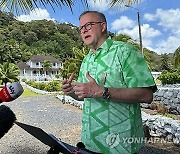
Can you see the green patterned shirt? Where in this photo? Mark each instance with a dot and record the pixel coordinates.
(109, 126)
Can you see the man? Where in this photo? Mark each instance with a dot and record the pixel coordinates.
(113, 80)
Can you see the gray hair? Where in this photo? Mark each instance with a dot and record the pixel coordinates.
(100, 15)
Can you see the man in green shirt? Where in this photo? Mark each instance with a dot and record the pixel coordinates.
(113, 80)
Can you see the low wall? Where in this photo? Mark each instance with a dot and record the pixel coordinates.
(159, 126)
(169, 95)
(38, 91)
(163, 127)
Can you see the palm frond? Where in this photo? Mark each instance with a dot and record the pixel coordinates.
(28, 5)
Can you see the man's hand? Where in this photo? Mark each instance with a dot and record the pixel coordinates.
(87, 90)
(66, 85)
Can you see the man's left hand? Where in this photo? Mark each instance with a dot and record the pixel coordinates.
(87, 90)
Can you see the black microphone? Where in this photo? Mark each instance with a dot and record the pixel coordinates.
(7, 119)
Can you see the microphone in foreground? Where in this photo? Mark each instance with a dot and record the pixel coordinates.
(11, 92)
(7, 119)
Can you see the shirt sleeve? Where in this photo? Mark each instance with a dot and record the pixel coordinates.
(135, 69)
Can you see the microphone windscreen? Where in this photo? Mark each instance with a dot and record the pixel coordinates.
(11, 92)
(7, 119)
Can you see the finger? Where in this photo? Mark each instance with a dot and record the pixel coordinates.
(69, 89)
(64, 81)
(70, 78)
(77, 84)
(89, 77)
(65, 86)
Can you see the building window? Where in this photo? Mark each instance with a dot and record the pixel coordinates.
(54, 64)
(37, 64)
(34, 72)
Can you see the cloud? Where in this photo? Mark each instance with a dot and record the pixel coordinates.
(36, 14)
(149, 17)
(169, 20)
(122, 22)
(167, 46)
(100, 5)
(125, 25)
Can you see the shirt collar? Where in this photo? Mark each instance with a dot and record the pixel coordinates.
(105, 46)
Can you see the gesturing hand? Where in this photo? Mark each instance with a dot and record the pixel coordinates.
(87, 90)
(66, 85)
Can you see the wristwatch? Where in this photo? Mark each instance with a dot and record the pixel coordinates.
(106, 93)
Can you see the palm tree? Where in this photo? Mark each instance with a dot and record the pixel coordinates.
(72, 65)
(9, 72)
(28, 5)
(47, 66)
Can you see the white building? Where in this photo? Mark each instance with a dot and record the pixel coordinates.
(156, 74)
(33, 68)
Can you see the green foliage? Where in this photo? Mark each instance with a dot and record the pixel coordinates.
(6, 18)
(169, 78)
(40, 85)
(54, 85)
(72, 65)
(165, 63)
(47, 65)
(10, 51)
(24, 80)
(9, 72)
(177, 58)
(20, 40)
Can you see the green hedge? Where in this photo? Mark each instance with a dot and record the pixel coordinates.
(54, 85)
(170, 78)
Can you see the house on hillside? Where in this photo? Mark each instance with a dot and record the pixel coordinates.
(33, 69)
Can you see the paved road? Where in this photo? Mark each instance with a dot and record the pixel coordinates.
(48, 113)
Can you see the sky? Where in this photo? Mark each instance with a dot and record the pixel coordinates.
(159, 20)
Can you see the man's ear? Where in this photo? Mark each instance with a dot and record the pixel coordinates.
(104, 26)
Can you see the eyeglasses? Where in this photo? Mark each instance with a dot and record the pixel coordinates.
(88, 26)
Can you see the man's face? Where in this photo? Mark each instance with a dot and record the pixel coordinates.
(91, 29)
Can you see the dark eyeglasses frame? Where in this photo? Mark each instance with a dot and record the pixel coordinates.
(88, 25)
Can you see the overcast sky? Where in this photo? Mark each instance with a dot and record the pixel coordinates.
(160, 21)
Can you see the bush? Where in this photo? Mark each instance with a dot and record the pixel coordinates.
(41, 85)
(169, 78)
(24, 80)
(53, 86)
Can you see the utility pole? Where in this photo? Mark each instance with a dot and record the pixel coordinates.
(139, 25)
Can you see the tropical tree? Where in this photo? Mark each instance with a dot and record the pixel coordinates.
(10, 51)
(72, 65)
(47, 65)
(29, 5)
(177, 58)
(165, 63)
(122, 37)
(9, 72)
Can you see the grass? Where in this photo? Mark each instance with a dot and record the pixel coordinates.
(28, 93)
(157, 81)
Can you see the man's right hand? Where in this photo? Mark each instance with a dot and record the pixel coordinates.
(66, 85)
